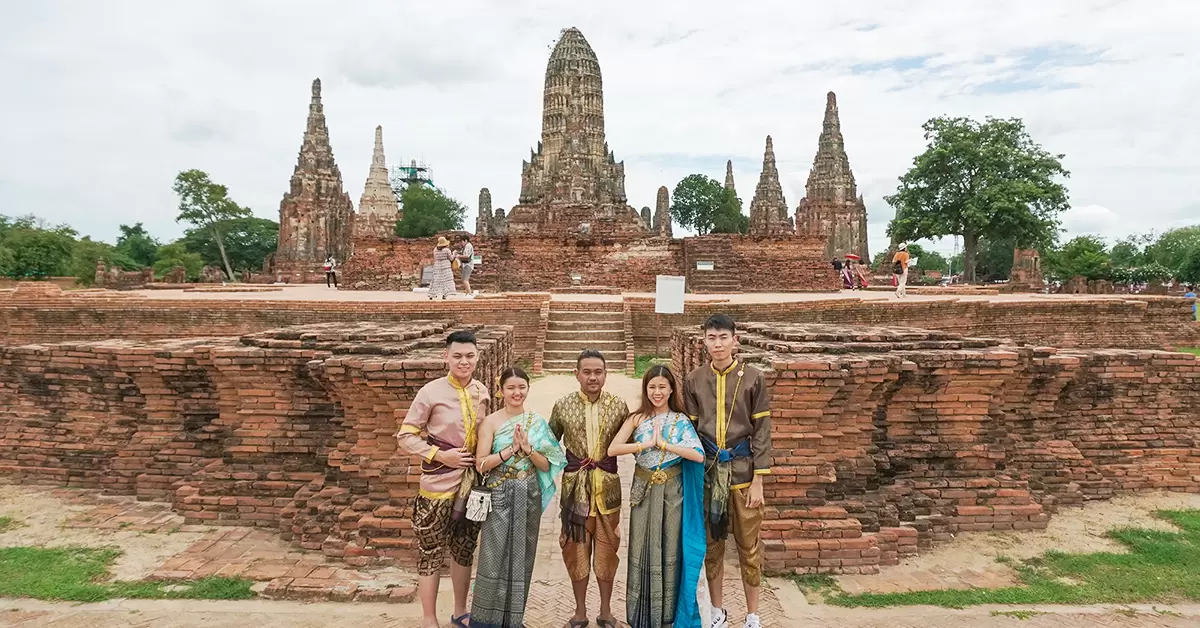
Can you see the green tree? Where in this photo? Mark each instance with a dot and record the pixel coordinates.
(1189, 271)
(698, 200)
(6, 260)
(1130, 251)
(980, 181)
(86, 252)
(136, 244)
(728, 218)
(175, 254)
(1084, 255)
(1173, 248)
(428, 210)
(38, 253)
(248, 241)
(207, 206)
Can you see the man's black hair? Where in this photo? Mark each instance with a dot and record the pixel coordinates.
(461, 336)
(719, 322)
(465, 236)
(590, 353)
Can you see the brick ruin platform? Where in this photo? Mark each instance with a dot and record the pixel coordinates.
(290, 429)
(890, 439)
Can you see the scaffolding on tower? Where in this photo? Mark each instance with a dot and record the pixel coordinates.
(415, 173)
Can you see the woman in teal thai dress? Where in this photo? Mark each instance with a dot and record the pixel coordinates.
(666, 529)
(518, 456)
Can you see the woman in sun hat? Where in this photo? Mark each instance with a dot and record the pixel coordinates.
(443, 271)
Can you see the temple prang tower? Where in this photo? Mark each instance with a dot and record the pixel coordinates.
(316, 216)
(832, 206)
(768, 208)
(572, 178)
(378, 207)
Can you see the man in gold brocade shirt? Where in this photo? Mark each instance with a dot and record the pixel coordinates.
(728, 401)
(587, 421)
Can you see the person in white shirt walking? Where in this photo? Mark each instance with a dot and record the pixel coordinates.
(466, 258)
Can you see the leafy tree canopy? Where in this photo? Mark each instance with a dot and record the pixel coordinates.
(1084, 255)
(206, 206)
(703, 205)
(248, 242)
(137, 245)
(37, 253)
(980, 180)
(427, 211)
(728, 218)
(176, 254)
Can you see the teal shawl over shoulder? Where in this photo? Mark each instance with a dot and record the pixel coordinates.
(543, 442)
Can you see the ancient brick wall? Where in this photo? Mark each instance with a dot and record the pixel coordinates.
(291, 429)
(1142, 322)
(522, 263)
(44, 314)
(887, 439)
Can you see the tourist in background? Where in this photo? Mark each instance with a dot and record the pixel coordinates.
(330, 267)
(466, 258)
(900, 270)
(1191, 294)
(861, 270)
(666, 519)
(440, 428)
(518, 456)
(848, 274)
(727, 399)
(442, 283)
(587, 421)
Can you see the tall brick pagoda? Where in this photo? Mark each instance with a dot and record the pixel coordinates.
(378, 208)
(572, 178)
(832, 206)
(768, 209)
(316, 216)
(729, 176)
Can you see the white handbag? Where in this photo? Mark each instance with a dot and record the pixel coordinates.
(479, 503)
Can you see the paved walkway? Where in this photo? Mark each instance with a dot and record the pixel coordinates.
(261, 614)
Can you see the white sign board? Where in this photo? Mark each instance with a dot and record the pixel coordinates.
(704, 265)
(668, 294)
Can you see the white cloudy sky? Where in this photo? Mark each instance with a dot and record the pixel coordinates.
(103, 102)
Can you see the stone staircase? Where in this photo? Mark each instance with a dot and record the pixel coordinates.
(577, 325)
(722, 278)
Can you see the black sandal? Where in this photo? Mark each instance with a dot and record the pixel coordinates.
(607, 623)
(577, 623)
(462, 621)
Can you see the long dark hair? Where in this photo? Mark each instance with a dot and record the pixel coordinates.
(673, 402)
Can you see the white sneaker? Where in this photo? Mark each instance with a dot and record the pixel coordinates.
(752, 621)
(720, 619)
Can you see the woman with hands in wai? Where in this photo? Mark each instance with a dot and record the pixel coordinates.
(518, 457)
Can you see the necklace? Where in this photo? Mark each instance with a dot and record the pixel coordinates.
(659, 476)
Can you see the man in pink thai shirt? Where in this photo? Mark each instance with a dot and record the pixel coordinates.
(440, 428)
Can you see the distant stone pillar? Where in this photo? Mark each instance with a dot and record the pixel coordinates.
(646, 217)
(662, 212)
(483, 218)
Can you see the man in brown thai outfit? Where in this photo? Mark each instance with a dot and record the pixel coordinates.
(440, 428)
(587, 421)
(728, 401)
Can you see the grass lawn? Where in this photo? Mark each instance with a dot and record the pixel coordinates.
(1195, 350)
(1160, 567)
(642, 363)
(77, 574)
